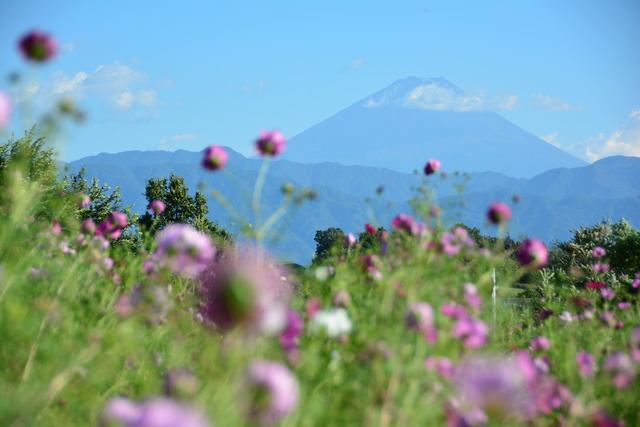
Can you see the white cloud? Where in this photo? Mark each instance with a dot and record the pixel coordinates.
(550, 103)
(551, 138)
(624, 141)
(65, 85)
(171, 142)
(440, 97)
(357, 63)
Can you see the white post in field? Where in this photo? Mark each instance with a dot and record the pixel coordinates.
(493, 294)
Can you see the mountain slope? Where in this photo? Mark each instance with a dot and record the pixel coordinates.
(403, 125)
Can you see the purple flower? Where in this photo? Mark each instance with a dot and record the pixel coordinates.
(454, 241)
(607, 293)
(635, 344)
(111, 227)
(270, 143)
(636, 282)
(215, 158)
(419, 317)
(620, 365)
(88, 226)
(83, 201)
(600, 267)
(453, 310)
(156, 207)
(158, 412)
(540, 343)
(37, 46)
(472, 332)
(245, 290)
(406, 223)
(290, 336)
(586, 364)
(443, 366)
(184, 250)
(273, 391)
(624, 305)
(532, 253)
(432, 166)
(599, 252)
(499, 213)
(5, 109)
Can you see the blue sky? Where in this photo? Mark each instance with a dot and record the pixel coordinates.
(169, 75)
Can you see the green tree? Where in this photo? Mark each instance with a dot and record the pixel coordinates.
(103, 198)
(329, 242)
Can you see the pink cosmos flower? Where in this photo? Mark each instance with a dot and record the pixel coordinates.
(532, 253)
(453, 310)
(183, 249)
(88, 227)
(157, 207)
(83, 201)
(271, 143)
(350, 240)
(432, 166)
(471, 297)
(342, 299)
(621, 366)
(607, 293)
(454, 241)
(499, 213)
(244, 290)
(371, 265)
(273, 391)
(472, 332)
(37, 46)
(215, 158)
(441, 365)
(56, 227)
(600, 267)
(313, 306)
(599, 252)
(601, 419)
(111, 227)
(540, 343)
(370, 229)
(5, 110)
(586, 364)
(158, 412)
(408, 224)
(635, 344)
(609, 319)
(419, 317)
(624, 305)
(595, 285)
(636, 282)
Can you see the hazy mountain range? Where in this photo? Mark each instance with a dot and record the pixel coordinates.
(388, 135)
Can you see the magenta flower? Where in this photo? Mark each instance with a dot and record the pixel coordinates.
(37, 46)
(420, 318)
(441, 365)
(601, 419)
(595, 285)
(432, 167)
(158, 412)
(607, 293)
(371, 266)
(290, 336)
(532, 253)
(184, 250)
(453, 310)
(370, 229)
(635, 344)
(636, 282)
(499, 213)
(586, 364)
(273, 391)
(600, 267)
(215, 158)
(454, 241)
(111, 227)
(471, 297)
(313, 306)
(88, 226)
(245, 290)
(621, 366)
(157, 207)
(624, 305)
(270, 143)
(472, 332)
(406, 223)
(599, 252)
(5, 110)
(540, 343)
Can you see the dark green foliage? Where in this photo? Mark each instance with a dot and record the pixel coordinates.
(180, 208)
(329, 242)
(103, 198)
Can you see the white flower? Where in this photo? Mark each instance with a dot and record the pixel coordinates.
(334, 321)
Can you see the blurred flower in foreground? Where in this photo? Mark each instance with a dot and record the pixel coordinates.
(215, 158)
(37, 46)
(111, 227)
(419, 317)
(334, 322)
(83, 201)
(532, 253)
(290, 337)
(273, 391)
(432, 166)
(245, 290)
(454, 241)
(499, 213)
(158, 412)
(586, 364)
(540, 343)
(5, 109)
(406, 223)
(599, 252)
(621, 366)
(271, 143)
(183, 249)
(156, 207)
(350, 240)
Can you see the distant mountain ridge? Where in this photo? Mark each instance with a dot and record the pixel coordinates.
(419, 118)
(553, 202)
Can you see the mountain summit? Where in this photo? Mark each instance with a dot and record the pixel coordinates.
(413, 119)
